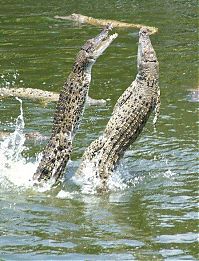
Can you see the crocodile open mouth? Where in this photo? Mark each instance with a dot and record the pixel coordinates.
(101, 47)
(97, 45)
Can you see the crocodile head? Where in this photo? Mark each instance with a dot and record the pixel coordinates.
(95, 47)
(147, 59)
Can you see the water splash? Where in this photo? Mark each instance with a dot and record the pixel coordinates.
(13, 146)
(90, 183)
(17, 171)
(10, 79)
(14, 167)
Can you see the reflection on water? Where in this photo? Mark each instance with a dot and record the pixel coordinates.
(155, 215)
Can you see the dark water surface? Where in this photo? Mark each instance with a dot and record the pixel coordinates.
(156, 216)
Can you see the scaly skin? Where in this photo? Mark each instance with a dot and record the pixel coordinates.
(70, 108)
(129, 117)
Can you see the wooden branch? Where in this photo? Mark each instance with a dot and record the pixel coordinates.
(102, 22)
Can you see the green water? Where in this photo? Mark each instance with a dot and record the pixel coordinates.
(156, 216)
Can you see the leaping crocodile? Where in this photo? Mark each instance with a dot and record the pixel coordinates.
(129, 116)
(70, 108)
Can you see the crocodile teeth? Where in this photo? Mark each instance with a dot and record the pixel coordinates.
(113, 36)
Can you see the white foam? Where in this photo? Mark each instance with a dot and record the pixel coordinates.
(66, 195)
(89, 180)
(116, 181)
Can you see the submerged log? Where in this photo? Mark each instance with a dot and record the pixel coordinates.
(102, 22)
(32, 136)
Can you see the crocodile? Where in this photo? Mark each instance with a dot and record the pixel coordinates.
(101, 22)
(128, 119)
(40, 95)
(69, 109)
(35, 136)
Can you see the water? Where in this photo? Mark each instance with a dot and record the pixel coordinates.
(154, 213)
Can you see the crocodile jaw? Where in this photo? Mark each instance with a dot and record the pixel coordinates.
(95, 47)
(103, 45)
